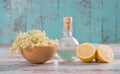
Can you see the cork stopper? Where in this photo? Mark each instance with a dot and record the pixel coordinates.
(67, 22)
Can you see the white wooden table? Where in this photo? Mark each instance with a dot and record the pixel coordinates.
(18, 65)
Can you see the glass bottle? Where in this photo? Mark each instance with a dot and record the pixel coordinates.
(68, 43)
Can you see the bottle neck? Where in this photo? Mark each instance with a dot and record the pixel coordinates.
(67, 29)
(67, 32)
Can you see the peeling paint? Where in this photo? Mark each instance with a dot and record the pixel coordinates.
(89, 17)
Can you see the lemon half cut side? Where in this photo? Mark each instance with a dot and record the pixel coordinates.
(86, 52)
(104, 54)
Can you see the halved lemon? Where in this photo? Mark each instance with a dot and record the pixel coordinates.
(86, 52)
(104, 54)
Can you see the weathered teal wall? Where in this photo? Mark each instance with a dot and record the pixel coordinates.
(96, 21)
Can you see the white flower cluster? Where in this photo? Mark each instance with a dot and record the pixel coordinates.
(31, 38)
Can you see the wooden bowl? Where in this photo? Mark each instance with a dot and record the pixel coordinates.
(39, 54)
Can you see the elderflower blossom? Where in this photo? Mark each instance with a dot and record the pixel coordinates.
(31, 38)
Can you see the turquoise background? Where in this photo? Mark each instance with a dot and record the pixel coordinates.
(95, 21)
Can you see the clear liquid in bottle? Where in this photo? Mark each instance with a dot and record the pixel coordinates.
(68, 43)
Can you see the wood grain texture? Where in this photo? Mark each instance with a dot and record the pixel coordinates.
(96, 21)
(118, 21)
(109, 24)
(34, 14)
(50, 18)
(3, 23)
